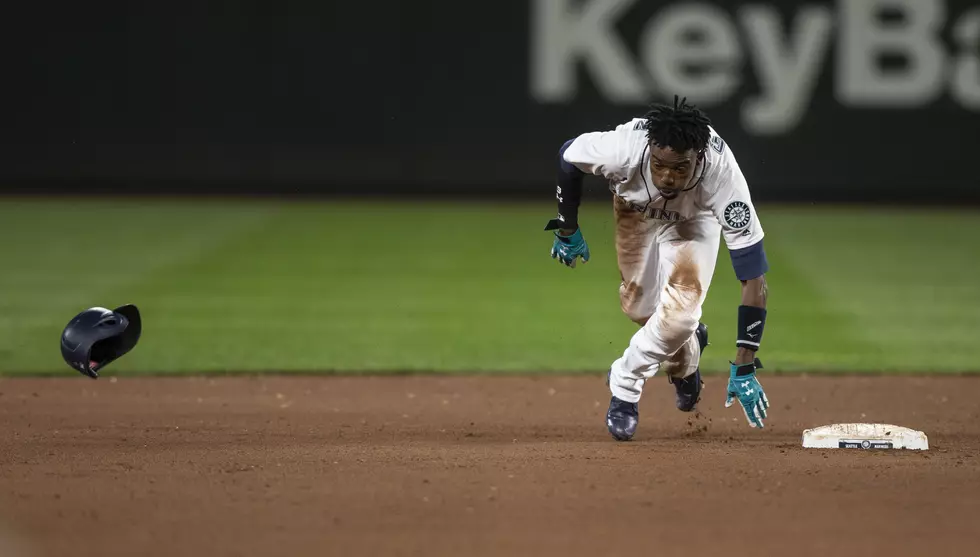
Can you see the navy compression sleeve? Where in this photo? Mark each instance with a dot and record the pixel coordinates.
(569, 192)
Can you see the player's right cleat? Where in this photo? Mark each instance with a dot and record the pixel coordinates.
(621, 419)
(689, 388)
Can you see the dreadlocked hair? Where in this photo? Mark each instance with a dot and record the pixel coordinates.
(680, 127)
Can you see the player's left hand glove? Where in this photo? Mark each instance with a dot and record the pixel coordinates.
(568, 249)
(744, 386)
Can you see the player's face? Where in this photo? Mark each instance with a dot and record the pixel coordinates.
(671, 171)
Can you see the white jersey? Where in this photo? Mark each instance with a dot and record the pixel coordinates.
(718, 189)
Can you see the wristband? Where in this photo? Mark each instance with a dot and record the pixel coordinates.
(751, 322)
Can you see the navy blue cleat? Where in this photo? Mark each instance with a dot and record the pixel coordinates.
(689, 388)
(621, 419)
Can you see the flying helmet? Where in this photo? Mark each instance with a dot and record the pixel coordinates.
(97, 336)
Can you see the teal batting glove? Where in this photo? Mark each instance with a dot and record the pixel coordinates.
(744, 386)
(568, 249)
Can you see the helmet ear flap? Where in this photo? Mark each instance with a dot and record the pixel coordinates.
(131, 335)
(114, 347)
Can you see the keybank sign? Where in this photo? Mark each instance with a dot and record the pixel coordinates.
(701, 51)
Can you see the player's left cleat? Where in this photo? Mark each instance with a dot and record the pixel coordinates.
(689, 388)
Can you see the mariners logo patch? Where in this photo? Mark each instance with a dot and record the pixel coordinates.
(737, 215)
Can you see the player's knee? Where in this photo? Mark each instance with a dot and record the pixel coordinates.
(678, 315)
(631, 302)
(637, 317)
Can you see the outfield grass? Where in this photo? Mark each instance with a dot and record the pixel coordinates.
(358, 286)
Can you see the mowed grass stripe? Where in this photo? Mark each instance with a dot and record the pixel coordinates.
(351, 286)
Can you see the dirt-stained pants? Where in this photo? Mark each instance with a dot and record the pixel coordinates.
(666, 269)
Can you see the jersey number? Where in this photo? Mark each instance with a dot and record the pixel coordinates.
(717, 143)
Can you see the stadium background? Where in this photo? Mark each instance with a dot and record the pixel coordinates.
(362, 187)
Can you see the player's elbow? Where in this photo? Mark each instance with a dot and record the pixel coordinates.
(763, 287)
(566, 166)
(755, 291)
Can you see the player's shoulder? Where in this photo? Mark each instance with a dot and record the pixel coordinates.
(633, 133)
(638, 125)
(719, 153)
(723, 169)
(627, 139)
(635, 141)
(635, 129)
(717, 147)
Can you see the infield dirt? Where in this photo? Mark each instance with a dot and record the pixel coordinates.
(476, 465)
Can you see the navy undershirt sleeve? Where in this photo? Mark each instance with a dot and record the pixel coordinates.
(750, 262)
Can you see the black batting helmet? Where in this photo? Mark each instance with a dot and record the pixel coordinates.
(97, 336)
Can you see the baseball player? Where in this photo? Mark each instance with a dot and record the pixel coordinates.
(677, 188)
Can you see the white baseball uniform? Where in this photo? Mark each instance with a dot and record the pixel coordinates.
(666, 249)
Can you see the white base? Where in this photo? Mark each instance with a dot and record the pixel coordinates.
(864, 436)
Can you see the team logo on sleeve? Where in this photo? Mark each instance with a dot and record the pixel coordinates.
(737, 215)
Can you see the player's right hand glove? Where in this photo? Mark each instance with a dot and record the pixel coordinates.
(568, 249)
(744, 386)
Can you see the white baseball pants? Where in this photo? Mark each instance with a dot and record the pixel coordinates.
(666, 270)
